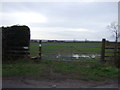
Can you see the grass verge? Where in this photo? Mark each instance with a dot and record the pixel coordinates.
(60, 70)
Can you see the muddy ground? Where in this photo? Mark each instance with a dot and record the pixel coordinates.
(13, 82)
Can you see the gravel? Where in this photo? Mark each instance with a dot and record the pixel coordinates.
(57, 83)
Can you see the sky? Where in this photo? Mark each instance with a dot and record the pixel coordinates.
(62, 20)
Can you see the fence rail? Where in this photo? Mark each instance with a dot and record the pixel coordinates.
(110, 50)
(64, 51)
(17, 52)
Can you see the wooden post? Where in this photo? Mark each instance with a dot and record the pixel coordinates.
(115, 54)
(40, 45)
(103, 51)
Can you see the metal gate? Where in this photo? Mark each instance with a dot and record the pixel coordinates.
(71, 51)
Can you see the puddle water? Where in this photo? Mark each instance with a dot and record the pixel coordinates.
(72, 57)
(77, 56)
(93, 56)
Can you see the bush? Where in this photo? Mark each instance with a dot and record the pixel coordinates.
(14, 38)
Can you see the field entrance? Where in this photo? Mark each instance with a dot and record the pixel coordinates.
(34, 49)
(71, 51)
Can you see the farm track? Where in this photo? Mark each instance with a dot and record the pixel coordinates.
(13, 82)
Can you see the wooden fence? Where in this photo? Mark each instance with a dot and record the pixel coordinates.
(110, 51)
(16, 52)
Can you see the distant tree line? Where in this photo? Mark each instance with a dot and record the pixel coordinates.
(69, 41)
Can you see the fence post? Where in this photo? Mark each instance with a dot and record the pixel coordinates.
(40, 45)
(115, 54)
(103, 51)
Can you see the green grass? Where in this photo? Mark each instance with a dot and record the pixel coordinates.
(34, 49)
(52, 49)
(78, 47)
(59, 69)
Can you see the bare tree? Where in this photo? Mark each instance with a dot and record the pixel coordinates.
(114, 28)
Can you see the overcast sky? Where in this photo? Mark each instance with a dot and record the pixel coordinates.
(62, 20)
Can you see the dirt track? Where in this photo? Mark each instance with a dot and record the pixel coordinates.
(68, 83)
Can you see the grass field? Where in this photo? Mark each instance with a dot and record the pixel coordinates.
(59, 70)
(34, 49)
(80, 47)
(55, 48)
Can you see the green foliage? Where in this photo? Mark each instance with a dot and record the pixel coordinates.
(14, 38)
